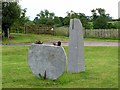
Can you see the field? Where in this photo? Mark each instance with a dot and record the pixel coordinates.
(101, 70)
(0, 67)
(30, 38)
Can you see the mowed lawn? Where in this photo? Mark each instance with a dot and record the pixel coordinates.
(18, 38)
(101, 70)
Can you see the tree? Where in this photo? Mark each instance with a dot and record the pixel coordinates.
(61, 20)
(23, 18)
(100, 23)
(94, 14)
(99, 18)
(81, 16)
(101, 11)
(57, 21)
(66, 21)
(45, 17)
(46, 13)
(10, 13)
(19, 23)
(111, 25)
(36, 20)
(84, 20)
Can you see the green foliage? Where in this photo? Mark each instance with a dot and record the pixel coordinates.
(45, 17)
(101, 70)
(66, 21)
(81, 16)
(18, 25)
(90, 25)
(100, 23)
(58, 21)
(84, 20)
(113, 25)
(118, 23)
(50, 22)
(10, 13)
(29, 23)
(61, 20)
(99, 18)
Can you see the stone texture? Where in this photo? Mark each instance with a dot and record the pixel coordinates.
(45, 58)
(76, 47)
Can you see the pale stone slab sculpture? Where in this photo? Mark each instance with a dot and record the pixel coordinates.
(47, 61)
(76, 47)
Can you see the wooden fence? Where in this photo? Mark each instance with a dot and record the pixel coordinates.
(91, 33)
(41, 29)
(101, 33)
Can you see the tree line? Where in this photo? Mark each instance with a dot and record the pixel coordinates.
(98, 20)
(15, 17)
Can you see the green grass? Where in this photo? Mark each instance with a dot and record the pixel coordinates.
(101, 70)
(0, 67)
(30, 38)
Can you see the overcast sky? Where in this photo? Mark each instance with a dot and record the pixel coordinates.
(60, 7)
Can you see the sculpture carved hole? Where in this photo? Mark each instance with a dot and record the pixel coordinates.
(72, 24)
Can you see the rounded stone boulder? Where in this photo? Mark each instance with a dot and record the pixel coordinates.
(47, 61)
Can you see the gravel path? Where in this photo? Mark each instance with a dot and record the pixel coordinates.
(86, 43)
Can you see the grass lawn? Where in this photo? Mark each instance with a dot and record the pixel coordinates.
(0, 67)
(30, 38)
(101, 70)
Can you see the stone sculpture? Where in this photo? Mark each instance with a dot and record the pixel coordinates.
(76, 47)
(47, 61)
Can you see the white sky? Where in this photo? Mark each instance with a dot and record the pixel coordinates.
(60, 7)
